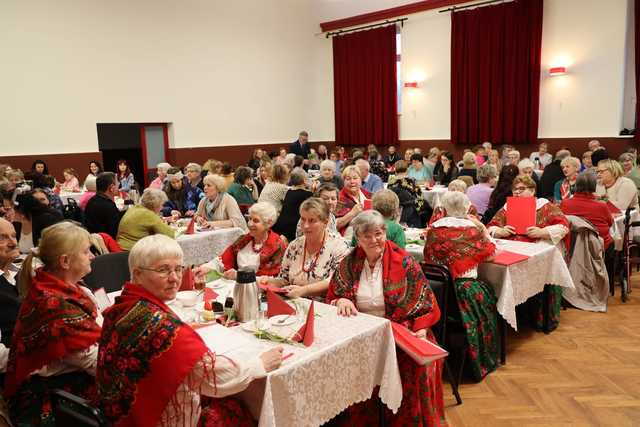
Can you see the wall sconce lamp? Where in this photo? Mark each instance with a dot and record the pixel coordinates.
(413, 85)
(557, 71)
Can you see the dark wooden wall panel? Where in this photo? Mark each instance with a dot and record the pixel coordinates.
(56, 162)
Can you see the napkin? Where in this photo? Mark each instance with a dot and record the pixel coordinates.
(188, 280)
(277, 306)
(191, 227)
(305, 333)
(521, 213)
(508, 258)
(274, 289)
(210, 294)
(367, 204)
(421, 351)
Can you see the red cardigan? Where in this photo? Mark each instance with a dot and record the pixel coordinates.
(271, 254)
(596, 212)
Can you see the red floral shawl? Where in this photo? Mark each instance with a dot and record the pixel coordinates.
(346, 202)
(271, 254)
(459, 248)
(439, 213)
(146, 352)
(56, 319)
(548, 214)
(408, 299)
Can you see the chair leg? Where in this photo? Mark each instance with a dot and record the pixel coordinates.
(502, 325)
(545, 309)
(452, 381)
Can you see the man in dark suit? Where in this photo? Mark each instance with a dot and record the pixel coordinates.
(9, 301)
(101, 214)
(301, 146)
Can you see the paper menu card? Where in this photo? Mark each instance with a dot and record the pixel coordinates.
(521, 213)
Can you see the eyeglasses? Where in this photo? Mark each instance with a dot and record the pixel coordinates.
(165, 271)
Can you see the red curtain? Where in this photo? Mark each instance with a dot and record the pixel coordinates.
(364, 85)
(495, 73)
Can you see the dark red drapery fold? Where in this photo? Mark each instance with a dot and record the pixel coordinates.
(495, 73)
(364, 85)
(637, 51)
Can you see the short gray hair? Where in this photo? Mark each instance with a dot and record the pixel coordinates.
(367, 220)
(457, 185)
(151, 249)
(266, 211)
(586, 182)
(486, 172)
(456, 204)
(574, 161)
(164, 166)
(152, 198)
(625, 157)
(525, 163)
(562, 154)
(386, 202)
(363, 163)
(193, 167)
(90, 183)
(328, 164)
(298, 177)
(217, 181)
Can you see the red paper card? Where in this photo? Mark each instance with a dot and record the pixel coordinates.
(367, 204)
(191, 227)
(508, 258)
(272, 288)
(210, 294)
(521, 213)
(421, 351)
(277, 306)
(305, 333)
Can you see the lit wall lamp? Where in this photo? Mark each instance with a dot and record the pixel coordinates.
(557, 71)
(413, 85)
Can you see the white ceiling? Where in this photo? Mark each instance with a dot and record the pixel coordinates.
(330, 10)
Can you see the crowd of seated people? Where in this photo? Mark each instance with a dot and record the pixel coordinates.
(316, 222)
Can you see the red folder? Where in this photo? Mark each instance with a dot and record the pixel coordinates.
(277, 306)
(306, 332)
(421, 351)
(508, 258)
(367, 204)
(521, 213)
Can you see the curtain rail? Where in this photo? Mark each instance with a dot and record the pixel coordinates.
(380, 24)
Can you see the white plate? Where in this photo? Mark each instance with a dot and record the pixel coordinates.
(249, 326)
(219, 283)
(282, 320)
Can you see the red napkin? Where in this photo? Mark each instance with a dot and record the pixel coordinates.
(305, 333)
(521, 213)
(272, 288)
(188, 280)
(613, 209)
(421, 351)
(191, 227)
(367, 204)
(508, 258)
(209, 294)
(277, 306)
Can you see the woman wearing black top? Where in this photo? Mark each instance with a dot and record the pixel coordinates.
(290, 214)
(448, 171)
(33, 217)
(499, 194)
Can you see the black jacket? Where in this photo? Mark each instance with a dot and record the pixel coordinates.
(9, 308)
(290, 214)
(299, 149)
(102, 216)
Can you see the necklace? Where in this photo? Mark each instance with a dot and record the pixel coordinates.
(314, 262)
(257, 247)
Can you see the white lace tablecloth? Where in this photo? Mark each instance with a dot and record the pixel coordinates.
(518, 282)
(433, 196)
(76, 196)
(348, 359)
(203, 246)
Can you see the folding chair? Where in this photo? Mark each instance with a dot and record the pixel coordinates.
(109, 271)
(71, 410)
(441, 283)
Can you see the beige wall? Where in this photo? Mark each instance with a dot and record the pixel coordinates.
(222, 72)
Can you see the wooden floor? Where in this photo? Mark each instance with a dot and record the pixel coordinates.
(585, 373)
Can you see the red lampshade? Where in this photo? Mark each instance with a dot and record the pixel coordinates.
(557, 71)
(411, 84)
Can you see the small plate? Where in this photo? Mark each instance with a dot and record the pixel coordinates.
(249, 326)
(282, 320)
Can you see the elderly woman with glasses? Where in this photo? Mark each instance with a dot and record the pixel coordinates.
(260, 250)
(162, 170)
(551, 227)
(565, 188)
(381, 279)
(310, 260)
(352, 197)
(614, 187)
(218, 209)
(55, 339)
(143, 220)
(461, 242)
(154, 369)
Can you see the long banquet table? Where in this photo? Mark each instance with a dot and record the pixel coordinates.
(205, 245)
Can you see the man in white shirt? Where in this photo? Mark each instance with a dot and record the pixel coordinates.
(370, 182)
(541, 158)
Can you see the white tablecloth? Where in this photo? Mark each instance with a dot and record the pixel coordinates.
(433, 196)
(518, 282)
(203, 246)
(76, 196)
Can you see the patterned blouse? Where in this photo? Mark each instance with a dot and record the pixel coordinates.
(335, 248)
